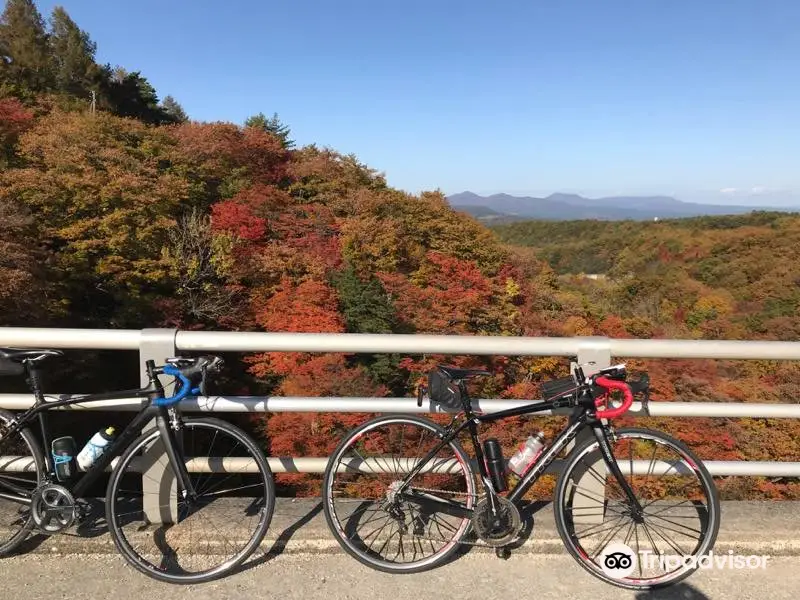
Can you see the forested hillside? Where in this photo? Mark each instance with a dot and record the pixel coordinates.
(730, 277)
(117, 210)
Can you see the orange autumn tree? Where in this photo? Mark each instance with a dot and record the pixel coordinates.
(333, 249)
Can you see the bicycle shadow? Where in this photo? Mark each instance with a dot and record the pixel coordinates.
(95, 526)
(682, 591)
(279, 546)
(31, 543)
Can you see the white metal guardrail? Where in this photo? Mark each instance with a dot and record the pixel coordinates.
(159, 344)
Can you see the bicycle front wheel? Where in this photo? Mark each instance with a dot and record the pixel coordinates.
(178, 539)
(374, 518)
(679, 520)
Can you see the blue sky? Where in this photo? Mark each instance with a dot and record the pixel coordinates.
(698, 99)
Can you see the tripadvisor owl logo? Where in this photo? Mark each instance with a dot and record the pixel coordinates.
(618, 561)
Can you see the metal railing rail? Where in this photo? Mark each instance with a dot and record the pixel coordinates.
(162, 343)
(258, 404)
(247, 341)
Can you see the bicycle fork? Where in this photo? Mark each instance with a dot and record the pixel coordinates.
(611, 462)
(169, 425)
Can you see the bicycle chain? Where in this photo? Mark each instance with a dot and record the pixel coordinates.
(434, 490)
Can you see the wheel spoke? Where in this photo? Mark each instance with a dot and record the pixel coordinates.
(604, 542)
(599, 531)
(697, 531)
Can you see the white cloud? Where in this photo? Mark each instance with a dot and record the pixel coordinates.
(759, 190)
(756, 190)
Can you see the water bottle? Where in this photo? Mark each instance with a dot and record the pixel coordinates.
(95, 447)
(527, 453)
(63, 450)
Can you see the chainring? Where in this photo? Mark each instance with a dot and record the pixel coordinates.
(500, 529)
(53, 508)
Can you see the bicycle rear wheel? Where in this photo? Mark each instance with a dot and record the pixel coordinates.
(368, 514)
(680, 501)
(186, 540)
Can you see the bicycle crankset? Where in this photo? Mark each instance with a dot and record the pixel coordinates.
(53, 508)
(500, 528)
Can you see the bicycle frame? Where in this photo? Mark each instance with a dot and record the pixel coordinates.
(78, 488)
(584, 417)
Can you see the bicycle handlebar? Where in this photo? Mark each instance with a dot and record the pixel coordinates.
(613, 384)
(193, 374)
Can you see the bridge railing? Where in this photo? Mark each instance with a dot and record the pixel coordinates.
(159, 344)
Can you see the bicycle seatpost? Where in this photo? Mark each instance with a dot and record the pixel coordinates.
(465, 399)
(33, 380)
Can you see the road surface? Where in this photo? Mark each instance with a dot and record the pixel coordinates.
(299, 559)
(337, 577)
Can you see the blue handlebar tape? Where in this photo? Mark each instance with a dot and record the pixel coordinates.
(185, 390)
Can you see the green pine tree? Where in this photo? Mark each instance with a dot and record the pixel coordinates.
(131, 95)
(24, 51)
(272, 125)
(75, 71)
(174, 110)
(365, 305)
(367, 308)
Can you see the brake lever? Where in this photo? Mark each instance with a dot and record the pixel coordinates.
(214, 365)
(200, 390)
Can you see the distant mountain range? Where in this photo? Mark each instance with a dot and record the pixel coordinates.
(564, 207)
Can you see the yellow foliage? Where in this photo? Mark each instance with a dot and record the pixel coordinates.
(546, 366)
(577, 326)
(716, 302)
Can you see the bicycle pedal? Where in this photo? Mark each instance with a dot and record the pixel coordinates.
(503, 553)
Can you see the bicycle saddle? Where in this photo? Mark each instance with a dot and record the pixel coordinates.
(455, 373)
(21, 354)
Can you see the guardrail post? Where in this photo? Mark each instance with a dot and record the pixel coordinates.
(591, 502)
(159, 494)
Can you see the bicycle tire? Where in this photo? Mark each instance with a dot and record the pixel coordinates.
(714, 509)
(148, 568)
(339, 534)
(15, 540)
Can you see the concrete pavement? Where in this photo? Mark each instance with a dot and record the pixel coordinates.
(301, 560)
(337, 577)
(298, 526)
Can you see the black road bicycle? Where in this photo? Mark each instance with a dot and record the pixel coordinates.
(400, 493)
(187, 501)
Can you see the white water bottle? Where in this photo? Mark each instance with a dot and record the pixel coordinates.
(527, 453)
(95, 447)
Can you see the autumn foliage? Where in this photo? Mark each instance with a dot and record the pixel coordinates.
(119, 218)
